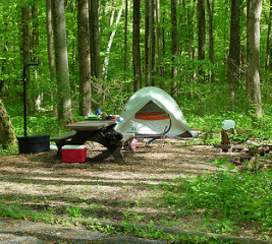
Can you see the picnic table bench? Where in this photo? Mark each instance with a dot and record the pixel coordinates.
(97, 131)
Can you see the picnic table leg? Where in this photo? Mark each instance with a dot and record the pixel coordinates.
(113, 144)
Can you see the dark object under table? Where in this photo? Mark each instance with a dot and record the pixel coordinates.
(97, 131)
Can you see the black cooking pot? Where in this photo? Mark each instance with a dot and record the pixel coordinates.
(34, 144)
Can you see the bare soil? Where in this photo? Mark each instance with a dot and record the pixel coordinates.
(106, 190)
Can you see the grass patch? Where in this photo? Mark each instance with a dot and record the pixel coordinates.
(227, 201)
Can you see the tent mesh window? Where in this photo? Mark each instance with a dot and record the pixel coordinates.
(151, 112)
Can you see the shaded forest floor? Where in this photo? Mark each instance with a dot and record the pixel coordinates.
(109, 197)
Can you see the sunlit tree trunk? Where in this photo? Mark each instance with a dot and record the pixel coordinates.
(253, 70)
(61, 56)
(112, 35)
(7, 134)
(84, 58)
(136, 45)
(234, 49)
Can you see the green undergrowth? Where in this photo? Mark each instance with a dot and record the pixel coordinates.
(234, 200)
(72, 217)
(208, 125)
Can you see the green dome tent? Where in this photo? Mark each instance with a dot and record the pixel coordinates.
(152, 112)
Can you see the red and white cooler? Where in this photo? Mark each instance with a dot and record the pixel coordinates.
(74, 154)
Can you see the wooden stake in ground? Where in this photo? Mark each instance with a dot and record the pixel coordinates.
(225, 142)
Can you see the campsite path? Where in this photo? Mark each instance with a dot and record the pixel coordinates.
(106, 191)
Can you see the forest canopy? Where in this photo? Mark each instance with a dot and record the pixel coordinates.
(202, 52)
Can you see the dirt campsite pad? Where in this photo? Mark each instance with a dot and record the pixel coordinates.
(108, 192)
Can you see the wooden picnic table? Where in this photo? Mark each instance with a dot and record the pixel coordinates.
(98, 131)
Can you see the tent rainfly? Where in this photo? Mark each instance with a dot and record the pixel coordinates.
(152, 112)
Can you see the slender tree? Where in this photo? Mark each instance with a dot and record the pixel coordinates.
(210, 10)
(84, 57)
(253, 70)
(159, 37)
(115, 23)
(26, 34)
(151, 44)
(95, 38)
(146, 42)
(234, 49)
(126, 39)
(136, 45)
(26, 41)
(268, 56)
(174, 50)
(50, 40)
(37, 95)
(61, 56)
(201, 29)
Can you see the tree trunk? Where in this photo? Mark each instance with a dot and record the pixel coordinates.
(159, 39)
(174, 49)
(253, 70)
(234, 49)
(7, 134)
(126, 39)
(151, 44)
(37, 95)
(50, 40)
(201, 29)
(95, 38)
(61, 56)
(210, 8)
(268, 58)
(112, 35)
(84, 58)
(190, 26)
(26, 42)
(136, 45)
(146, 44)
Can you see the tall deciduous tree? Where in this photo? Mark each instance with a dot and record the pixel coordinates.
(61, 56)
(201, 29)
(268, 57)
(126, 39)
(37, 95)
(253, 70)
(84, 57)
(114, 25)
(234, 48)
(136, 45)
(26, 41)
(150, 42)
(95, 38)
(50, 40)
(7, 135)
(174, 49)
(210, 10)
(26, 34)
